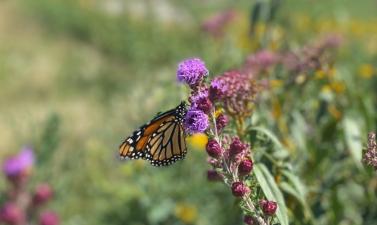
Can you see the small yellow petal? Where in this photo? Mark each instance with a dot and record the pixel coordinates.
(366, 71)
(197, 141)
(334, 112)
(187, 213)
(276, 83)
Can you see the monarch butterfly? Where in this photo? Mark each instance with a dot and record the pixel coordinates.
(161, 141)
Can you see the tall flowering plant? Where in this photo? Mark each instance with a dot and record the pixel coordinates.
(228, 98)
(21, 206)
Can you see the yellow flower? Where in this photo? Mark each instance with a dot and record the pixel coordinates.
(187, 213)
(276, 109)
(334, 112)
(338, 86)
(319, 74)
(276, 83)
(197, 141)
(326, 89)
(366, 71)
(218, 112)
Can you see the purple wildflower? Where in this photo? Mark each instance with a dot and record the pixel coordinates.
(260, 61)
(191, 71)
(217, 89)
(19, 165)
(213, 148)
(268, 207)
(196, 121)
(215, 25)
(239, 92)
(370, 156)
(221, 122)
(239, 189)
(48, 218)
(201, 101)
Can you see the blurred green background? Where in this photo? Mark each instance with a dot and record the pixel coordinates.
(78, 76)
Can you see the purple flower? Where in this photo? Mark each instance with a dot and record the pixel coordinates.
(196, 121)
(221, 122)
(201, 101)
(237, 147)
(239, 189)
(19, 165)
(236, 90)
(217, 89)
(249, 220)
(42, 194)
(213, 175)
(48, 218)
(11, 214)
(370, 156)
(216, 24)
(191, 71)
(260, 61)
(245, 167)
(268, 207)
(213, 148)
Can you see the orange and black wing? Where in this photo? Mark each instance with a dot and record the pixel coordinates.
(164, 135)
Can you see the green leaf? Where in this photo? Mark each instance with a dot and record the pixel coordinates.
(281, 151)
(271, 190)
(353, 139)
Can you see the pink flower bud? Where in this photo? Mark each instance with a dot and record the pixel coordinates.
(213, 175)
(245, 167)
(221, 122)
(213, 148)
(48, 218)
(42, 194)
(249, 220)
(268, 207)
(239, 189)
(11, 214)
(236, 147)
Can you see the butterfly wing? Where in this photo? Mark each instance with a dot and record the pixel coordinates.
(161, 141)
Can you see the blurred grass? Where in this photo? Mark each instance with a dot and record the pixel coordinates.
(76, 77)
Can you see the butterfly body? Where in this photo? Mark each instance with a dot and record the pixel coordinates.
(161, 141)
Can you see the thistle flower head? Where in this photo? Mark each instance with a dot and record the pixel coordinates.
(191, 71)
(213, 175)
(217, 89)
(215, 25)
(196, 121)
(260, 61)
(249, 220)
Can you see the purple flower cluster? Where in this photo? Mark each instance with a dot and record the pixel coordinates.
(22, 206)
(370, 156)
(17, 167)
(191, 71)
(236, 91)
(260, 62)
(216, 24)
